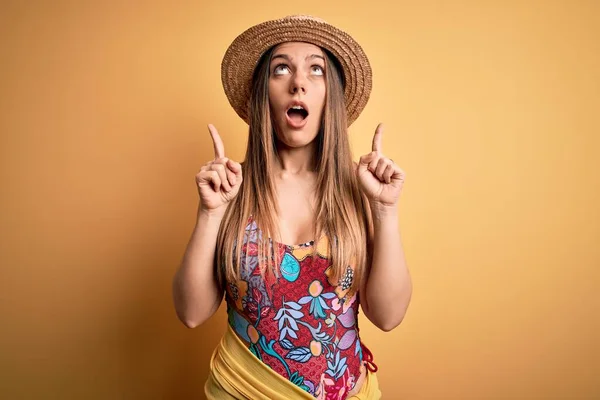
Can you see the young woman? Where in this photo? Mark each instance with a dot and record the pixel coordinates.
(299, 235)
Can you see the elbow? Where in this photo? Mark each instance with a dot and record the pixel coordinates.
(391, 319)
(188, 321)
(191, 324)
(385, 323)
(190, 318)
(388, 319)
(389, 325)
(194, 317)
(194, 309)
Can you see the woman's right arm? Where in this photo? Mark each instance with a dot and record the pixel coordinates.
(196, 292)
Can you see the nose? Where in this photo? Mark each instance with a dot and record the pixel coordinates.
(298, 83)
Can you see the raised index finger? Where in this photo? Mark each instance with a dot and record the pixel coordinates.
(217, 142)
(377, 138)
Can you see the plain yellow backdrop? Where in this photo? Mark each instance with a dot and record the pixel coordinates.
(491, 108)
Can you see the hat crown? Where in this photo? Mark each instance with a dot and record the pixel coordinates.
(304, 17)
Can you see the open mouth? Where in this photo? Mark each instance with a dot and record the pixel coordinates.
(297, 113)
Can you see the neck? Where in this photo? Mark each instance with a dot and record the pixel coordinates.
(295, 161)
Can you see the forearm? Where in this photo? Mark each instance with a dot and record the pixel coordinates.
(389, 286)
(196, 293)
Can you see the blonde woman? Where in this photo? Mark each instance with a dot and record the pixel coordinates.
(298, 235)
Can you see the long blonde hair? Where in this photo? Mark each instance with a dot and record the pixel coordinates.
(341, 207)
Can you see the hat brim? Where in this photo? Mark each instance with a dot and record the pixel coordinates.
(242, 56)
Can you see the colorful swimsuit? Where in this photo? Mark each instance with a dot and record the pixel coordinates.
(300, 324)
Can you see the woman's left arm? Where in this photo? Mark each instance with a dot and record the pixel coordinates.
(387, 289)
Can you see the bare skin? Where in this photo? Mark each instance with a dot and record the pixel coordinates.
(299, 78)
(298, 74)
(196, 293)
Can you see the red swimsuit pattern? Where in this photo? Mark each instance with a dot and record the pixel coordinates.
(299, 323)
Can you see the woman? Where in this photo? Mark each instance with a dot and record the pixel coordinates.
(318, 232)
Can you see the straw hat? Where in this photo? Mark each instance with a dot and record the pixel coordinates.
(243, 55)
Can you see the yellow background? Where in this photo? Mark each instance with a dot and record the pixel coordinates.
(491, 108)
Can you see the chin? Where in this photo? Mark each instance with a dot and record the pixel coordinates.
(297, 138)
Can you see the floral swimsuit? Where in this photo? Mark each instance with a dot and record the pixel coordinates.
(299, 323)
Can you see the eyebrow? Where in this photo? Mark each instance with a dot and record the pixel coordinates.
(286, 57)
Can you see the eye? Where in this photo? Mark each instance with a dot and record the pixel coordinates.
(281, 69)
(317, 70)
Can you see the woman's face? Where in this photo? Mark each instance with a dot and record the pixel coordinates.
(297, 92)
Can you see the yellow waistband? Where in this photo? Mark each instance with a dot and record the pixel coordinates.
(236, 373)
